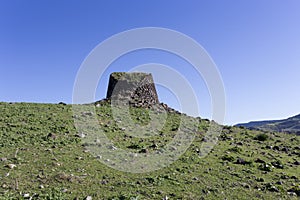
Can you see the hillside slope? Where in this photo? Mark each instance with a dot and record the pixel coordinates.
(42, 157)
(289, 125)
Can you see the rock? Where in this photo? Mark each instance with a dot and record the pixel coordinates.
(279, 183)
(296, 163)
(64, 190)
(75, 116)
(245, 185)
(240, 143)
(204, 191)
(294, 177)
(242, 161)
(3, 159)
(144, 151)
(112, 147)
(292, 193)
(172, 148)
(273, 189)
(284, 176)
(11, 166)
(295, 189)
(26, 195)
(104, 182)
(266, 167)
(98, 141)
(154, 146)
(52, 136)
(276, 148)
(258, 160)
(277, 164)
(133, 155)
(88, 198)
(87, 113)
(260, 180)
(285, 149)
(81, 135)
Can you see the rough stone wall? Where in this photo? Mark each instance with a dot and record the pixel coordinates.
(137, 88)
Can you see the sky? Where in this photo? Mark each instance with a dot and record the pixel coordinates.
(255, 45)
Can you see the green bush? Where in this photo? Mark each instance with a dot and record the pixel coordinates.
(228, 158)
(235, 149)
(262, 137)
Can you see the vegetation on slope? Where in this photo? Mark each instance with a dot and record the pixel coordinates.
(42, 157)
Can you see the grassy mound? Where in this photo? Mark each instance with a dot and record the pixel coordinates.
(42, 157)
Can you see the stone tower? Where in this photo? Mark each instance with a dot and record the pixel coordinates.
(138, 88)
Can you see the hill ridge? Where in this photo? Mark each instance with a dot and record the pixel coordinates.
(288, 125)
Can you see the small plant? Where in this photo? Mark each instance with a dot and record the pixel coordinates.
(235, 149)
(135, 146)
(228, 158)
(260, 179)
(262, 137)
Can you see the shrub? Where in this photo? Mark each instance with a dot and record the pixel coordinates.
(235, 149)
(228, 158)
(261, 137)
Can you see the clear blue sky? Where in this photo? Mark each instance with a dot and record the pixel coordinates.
(254, 43)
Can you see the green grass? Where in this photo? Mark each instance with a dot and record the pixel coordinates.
(52, 163)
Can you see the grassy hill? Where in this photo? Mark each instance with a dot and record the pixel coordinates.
(289, 125)
(42, 157)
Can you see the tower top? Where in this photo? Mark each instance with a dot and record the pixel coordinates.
(137, 87)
